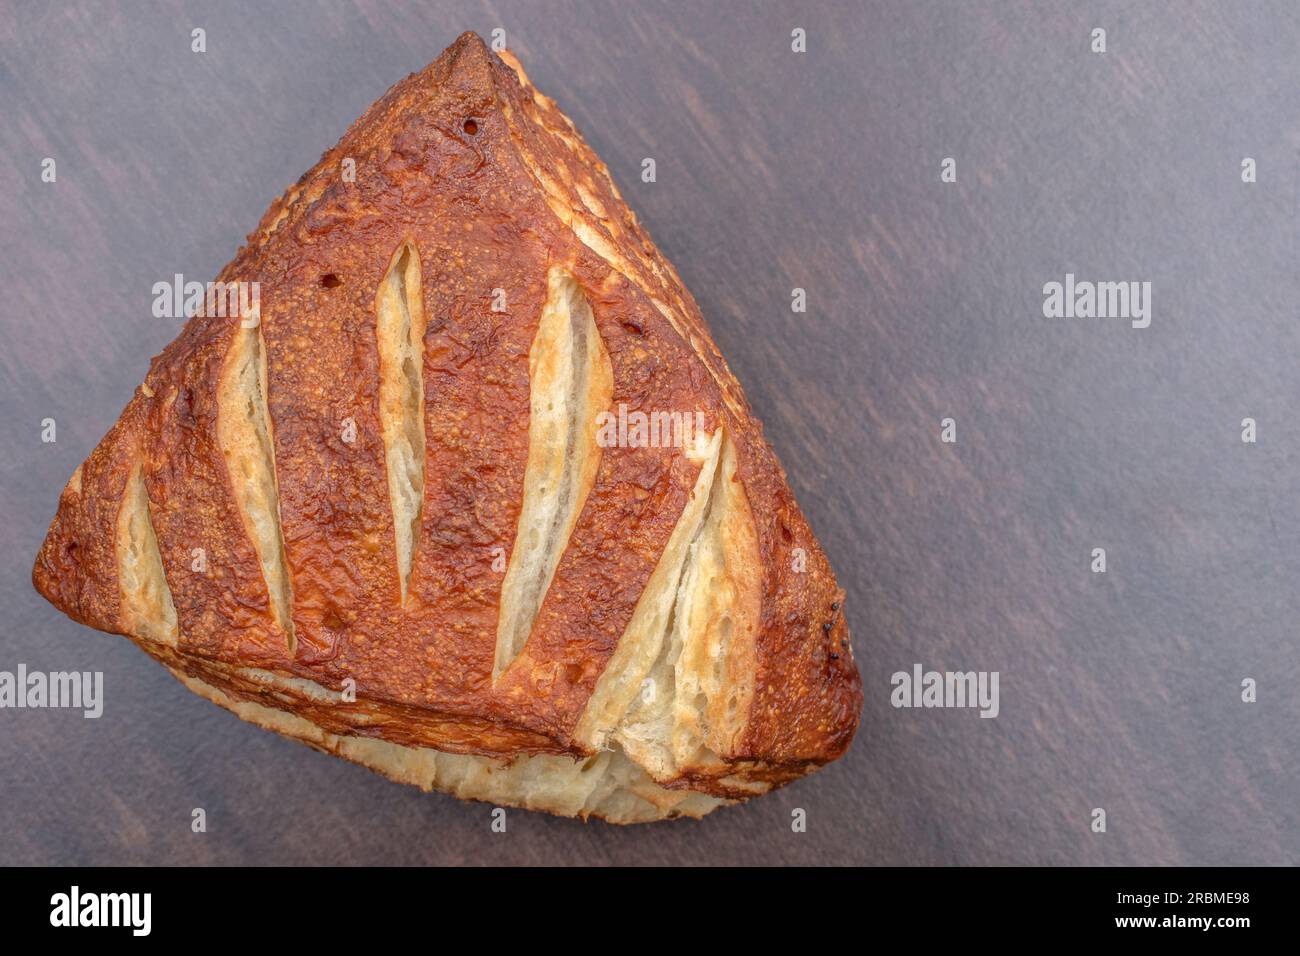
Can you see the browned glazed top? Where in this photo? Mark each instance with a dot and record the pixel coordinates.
(492, 185)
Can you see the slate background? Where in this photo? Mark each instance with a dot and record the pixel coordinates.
(775, 170)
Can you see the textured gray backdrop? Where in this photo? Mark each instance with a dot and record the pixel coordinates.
(775, 170)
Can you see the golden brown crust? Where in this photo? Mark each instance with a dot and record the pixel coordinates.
(490, 207)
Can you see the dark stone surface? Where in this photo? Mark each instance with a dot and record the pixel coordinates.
(775, 170)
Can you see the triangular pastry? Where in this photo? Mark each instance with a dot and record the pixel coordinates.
(470, 497)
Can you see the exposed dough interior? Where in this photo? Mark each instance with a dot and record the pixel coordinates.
(697, 692)
(607, 785)
(675, 695)
(399, 329)
(570, 383)
(147, 607)
(244, 433)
